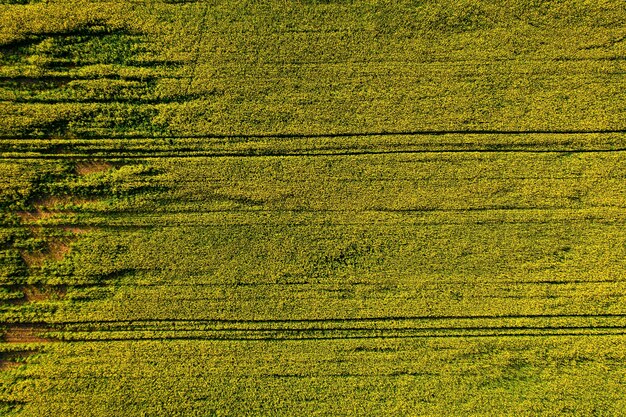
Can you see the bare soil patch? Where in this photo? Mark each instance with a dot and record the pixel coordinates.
(29, 333)
(86, 168)
(33, 216)
(33, 294)
(51, 204)
(76, 230)
(34, 259)
(58, 249)
(8, 365)
(37, 293)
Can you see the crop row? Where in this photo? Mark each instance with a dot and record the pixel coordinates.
(363, 144)
(390, 376)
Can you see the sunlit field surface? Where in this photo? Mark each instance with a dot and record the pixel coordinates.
(312, 207)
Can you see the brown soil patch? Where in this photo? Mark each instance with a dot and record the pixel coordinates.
(77, 230)
(8, 365)
(57, 249)
(47, 202)
(25, 334)
(33, 216)
(50, 203)
(86, 168)
(34, 260)
(33, 294)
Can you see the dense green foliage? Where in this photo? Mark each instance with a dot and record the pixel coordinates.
(248, 67)
(213, 208)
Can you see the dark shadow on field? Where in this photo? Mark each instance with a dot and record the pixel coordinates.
(91, 78)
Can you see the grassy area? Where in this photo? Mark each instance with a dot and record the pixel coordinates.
(312, 208)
